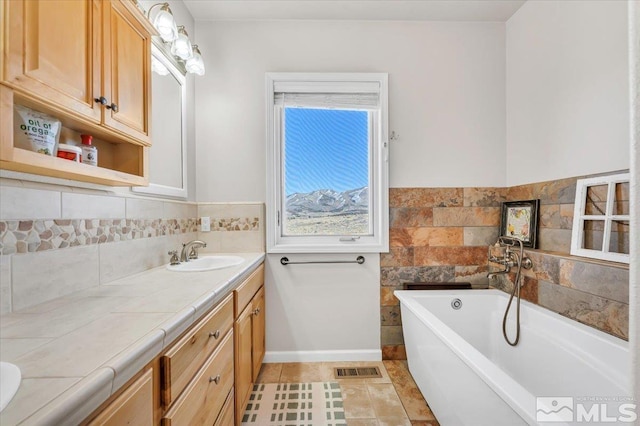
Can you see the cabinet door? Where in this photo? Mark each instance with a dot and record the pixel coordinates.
(133, 407)
(202, 401)
(127, 78)
(53, 52)
(243, 373)
(258, 332)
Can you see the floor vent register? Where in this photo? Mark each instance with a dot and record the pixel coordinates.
(357, 373)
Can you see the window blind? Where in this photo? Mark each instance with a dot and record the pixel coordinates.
(321, 94)
(328, 100)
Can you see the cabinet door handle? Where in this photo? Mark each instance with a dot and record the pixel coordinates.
(113, 107)
(215, 334)
(215, 379)
(101, 100)
(257, 311)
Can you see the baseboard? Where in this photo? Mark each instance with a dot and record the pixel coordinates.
(323, 356)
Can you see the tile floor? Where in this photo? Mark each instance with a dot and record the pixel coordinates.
(393, 400)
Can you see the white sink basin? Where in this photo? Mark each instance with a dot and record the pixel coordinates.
(206, 263)
(10, 378)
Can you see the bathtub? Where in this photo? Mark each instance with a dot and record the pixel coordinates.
(470, 376)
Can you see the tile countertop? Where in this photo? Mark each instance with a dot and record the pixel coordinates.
(75, 351)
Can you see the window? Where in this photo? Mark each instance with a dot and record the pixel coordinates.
(601, 218)
(327, 167)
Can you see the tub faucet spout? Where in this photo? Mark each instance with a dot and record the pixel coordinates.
(493, 274)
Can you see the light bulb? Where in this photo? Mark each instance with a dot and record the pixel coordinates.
(162, 19)
(195, 64)
(181, 46)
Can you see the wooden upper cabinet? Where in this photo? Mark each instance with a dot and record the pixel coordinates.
(69, 54)
(127, 79)
(54, 52)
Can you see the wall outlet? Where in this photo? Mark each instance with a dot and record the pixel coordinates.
(205, 224)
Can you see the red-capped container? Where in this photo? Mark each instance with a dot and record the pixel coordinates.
(69, 152)
(89, 152)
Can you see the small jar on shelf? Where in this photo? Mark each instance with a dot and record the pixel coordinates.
(89, 152)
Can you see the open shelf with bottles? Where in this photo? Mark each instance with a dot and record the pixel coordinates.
(121, 161)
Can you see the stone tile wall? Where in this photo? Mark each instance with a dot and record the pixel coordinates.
(593, 292)
(438, 235)
(441, 234)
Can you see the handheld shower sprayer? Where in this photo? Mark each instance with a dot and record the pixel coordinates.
(508, 260)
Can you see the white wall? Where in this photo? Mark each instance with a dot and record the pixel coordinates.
(446, 96)
(323, 312)
(567, 90)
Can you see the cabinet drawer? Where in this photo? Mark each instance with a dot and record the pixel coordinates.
(226, 415)
(186, 357)
(134, 406)
(246, 290)
(205, 395)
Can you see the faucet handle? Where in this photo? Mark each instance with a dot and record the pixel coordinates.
(174, 257)
(193, 254)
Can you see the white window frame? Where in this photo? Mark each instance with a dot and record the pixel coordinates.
(579, 216)
(379, 179)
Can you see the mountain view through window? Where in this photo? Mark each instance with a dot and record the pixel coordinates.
(326, 172)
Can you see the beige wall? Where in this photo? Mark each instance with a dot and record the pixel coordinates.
(567, 88)
(446, 96)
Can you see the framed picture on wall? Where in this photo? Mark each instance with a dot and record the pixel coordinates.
(520, 220)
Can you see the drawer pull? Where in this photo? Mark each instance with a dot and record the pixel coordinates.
(215, 379)
(215, 334)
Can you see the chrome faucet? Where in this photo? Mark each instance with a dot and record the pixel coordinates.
(190, 248)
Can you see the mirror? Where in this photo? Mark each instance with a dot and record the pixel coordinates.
(168, 154)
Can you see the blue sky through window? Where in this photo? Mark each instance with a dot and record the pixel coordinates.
(326, 149)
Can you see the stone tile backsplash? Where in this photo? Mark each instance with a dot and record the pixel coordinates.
(441, 235)
(54, 241)
(234, 227)
(436, 235)
(28, 236)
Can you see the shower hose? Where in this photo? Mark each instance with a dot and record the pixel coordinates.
(515, 292)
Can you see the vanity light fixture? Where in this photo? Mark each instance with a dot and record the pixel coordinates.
(195, 64)
(176, 40)
(181, 46)
(162, 19)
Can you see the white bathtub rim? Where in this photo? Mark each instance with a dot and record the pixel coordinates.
(519, 398)
(593, 333)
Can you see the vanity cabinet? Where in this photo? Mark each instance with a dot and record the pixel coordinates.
(198, 371)
(181, 362)
(206, 394)
(249, 329)
(87, 63)
(198, 379)
(134, 406)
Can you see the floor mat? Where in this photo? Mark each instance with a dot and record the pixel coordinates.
(295, 404)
